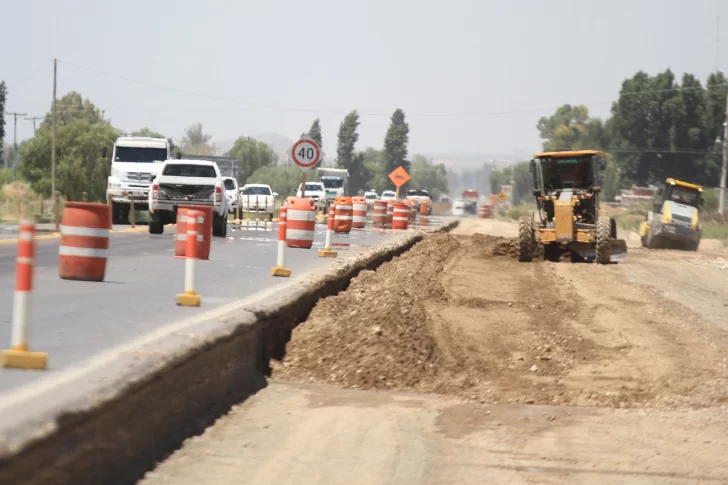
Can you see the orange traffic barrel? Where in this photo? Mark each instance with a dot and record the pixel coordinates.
(300, 222)
(412, 205)
(380, 213)
(344, 218)
(400, 215)
(390, 213)
(360, 212)
(84, 241)
(485, 211)
(203, 227)
(425, 207)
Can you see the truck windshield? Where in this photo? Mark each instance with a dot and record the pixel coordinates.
(418, 193)
(331, 183)
(561, 173)
(229, 184)
(140, 154)
(312, 188)
(189, 170)
(684, 195)
(256, 191)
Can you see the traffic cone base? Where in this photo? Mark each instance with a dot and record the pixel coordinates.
(23, 359)
(280, 271)
(326, 253)
(189, 299)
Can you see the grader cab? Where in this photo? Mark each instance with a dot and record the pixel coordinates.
(567, 187)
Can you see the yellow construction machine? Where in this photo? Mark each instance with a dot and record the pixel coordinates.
(674, 221)
(567, 186)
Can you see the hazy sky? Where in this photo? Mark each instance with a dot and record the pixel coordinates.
(493, 67)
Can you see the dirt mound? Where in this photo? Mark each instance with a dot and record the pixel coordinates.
(488, 246)
(457, 315)
(376, 334)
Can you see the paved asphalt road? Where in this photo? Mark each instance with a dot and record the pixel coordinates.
(73, 320)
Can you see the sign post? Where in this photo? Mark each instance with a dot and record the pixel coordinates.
(399, 177)
(306, 154)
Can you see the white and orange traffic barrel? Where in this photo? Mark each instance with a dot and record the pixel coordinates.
(84, 246)
(400, 215)
(380, 213)
(360, 212)
(344, 214)
(300, 222)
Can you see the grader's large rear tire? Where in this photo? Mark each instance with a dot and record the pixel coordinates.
(604, 231)
(525, 239)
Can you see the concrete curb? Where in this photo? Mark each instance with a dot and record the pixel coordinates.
(145, 402)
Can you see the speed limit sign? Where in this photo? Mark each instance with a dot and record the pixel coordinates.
(305, 153)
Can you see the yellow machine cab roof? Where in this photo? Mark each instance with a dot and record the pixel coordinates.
(684, 184)
(569, 154)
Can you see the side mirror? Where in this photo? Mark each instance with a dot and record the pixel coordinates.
(702, 201)
(275, 194)
(103, 152)
(152, 177)
(179, 155)
(602, 164)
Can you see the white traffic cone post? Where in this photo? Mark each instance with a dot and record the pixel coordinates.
(19, 356)
(190, 296)
(280, 269)
(326, 252)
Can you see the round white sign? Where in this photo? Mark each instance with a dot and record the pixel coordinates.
(305, 153)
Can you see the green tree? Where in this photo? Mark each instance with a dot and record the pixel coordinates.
(429, 176)
(315, 133)
(283, 180)
(571, 128)
(395, 144)
(3, 95)
(354, 163)
(81, 137)
(252, 155)
(196, 142)
(374, 164)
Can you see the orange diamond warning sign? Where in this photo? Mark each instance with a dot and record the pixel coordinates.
(399, 177)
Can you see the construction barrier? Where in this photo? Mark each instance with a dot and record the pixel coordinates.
(280, 269)
(390, 213)
(84, 241)
(326, 252)
(400, 216)
(485, 211)
(425, 207)
(380, 213)
(344, 214)
(204, 231)
(412, 216)
(19, 355)
(360, 212)
(301, 222)
(190, 296)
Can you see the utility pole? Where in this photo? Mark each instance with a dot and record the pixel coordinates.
(15, 140)
(53, 140)
(33, 119)
(721, 198)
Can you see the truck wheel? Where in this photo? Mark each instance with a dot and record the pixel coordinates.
(219, 226)
(525, 239)
(613, 231)
(604, 229)
(156, 226)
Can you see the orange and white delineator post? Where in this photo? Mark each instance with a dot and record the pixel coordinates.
(326, 252)
(280, 269)
(19, 356)
(190, 296)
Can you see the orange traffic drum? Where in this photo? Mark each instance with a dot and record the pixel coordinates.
(204, 231)
(380, 213)
(425, 207)
(344, 218)
(300, 222)
(400, 215)
(412, 216)
(390, 213)
(84, 241)
(360, 212)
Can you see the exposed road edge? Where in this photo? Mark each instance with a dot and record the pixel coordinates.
(173, 389)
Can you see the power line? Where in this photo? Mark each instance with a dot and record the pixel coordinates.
(34, 119)
(27, 78)
(410, 115)
(15, 115)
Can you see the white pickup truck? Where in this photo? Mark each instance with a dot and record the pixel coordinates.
(187, 182)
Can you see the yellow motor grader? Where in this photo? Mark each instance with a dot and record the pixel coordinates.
(567, 186)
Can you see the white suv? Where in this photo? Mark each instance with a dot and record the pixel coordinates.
(258, 198)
